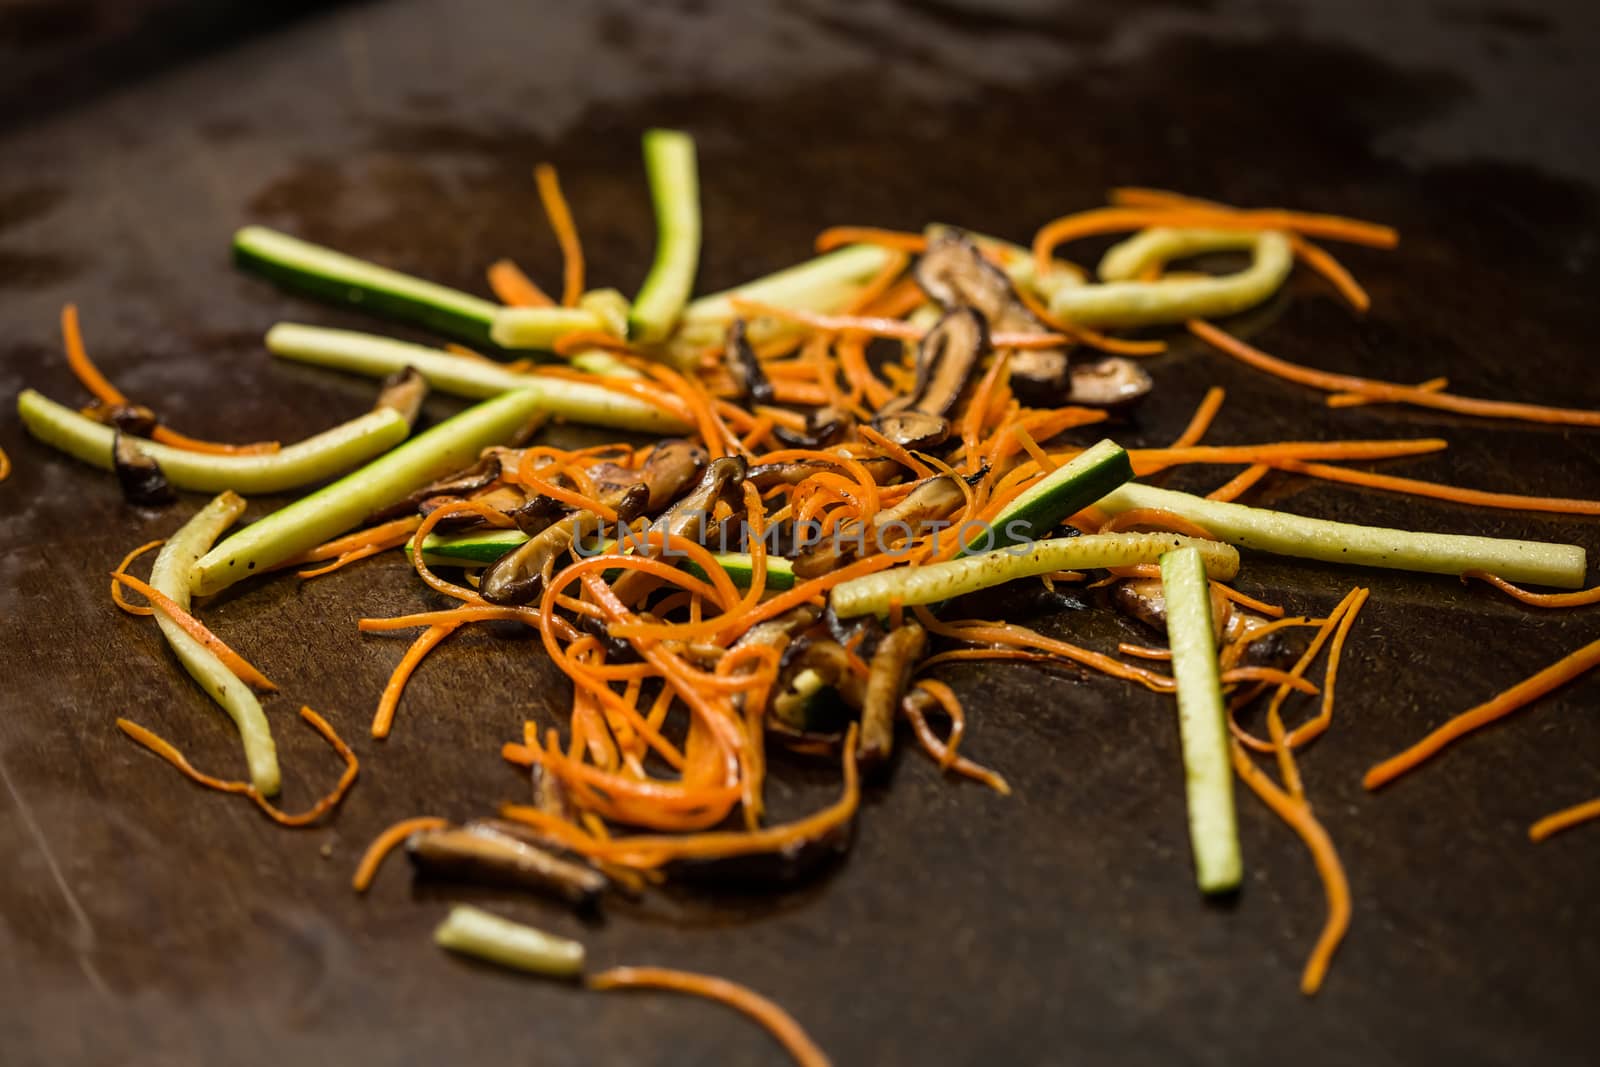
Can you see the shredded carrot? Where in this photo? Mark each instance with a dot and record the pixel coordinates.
(197, 630)
(5, 465)
(884, 327)
(1582, 598)
(1297, 813)
(1565, 819)
(1356, 400)
(1143, 652)
(514, 288)
(384, 535)
(167, 751)
(839, 236)
(1203, 416)
(1314, 728)
(774, 1019)
(1156, 519)
(1559, 673)
(339, 562)
(1272, 611)
(167, 436)
(1434, 490)
(1148, 461)
(390, 700)
(116, 589)
(877, 285)
(385, 843)
(1322, 261)
(1390, 391)
(78, 359)
(1240, 483)
(555, 208)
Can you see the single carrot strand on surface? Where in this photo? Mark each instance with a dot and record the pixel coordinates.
(1434, 490)
(1336, 227)
(1582, 598)
(1271, 611)
(555, 208)
(513, 288)
(1148, 461)
(390, 700)
(941, 754)
(1334, 883)
(1240, 483)
(167, 751)
(78, 360)
(779, 1023)
(1314, 728)
(339, 562)
(1565, 819)
(1356, 400)
(1559, 673)
(385, 843)
(1408, 394)
(884, 327)
(5, 465)
(1203, 416)
(1143, 651)
(116, 589)
(167, 436)
(385, 535)
(197, 630)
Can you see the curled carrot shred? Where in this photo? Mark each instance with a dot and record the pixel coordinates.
(1579, 599)
(560, 216)
(777, 1022)
(514, 288)
(197, 630)
(116, 589)
(1565, 819)
(385, 842)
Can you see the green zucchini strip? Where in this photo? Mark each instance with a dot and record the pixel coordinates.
(825, 285)
(475, 932)
(379, 357)
(1065, 491)
(1168, 300)
(485, 546)
(314, 459)
(170, 575)
(933, 582)
(304, 267)
(669, 162)
(335, 508)
(540, 328)
(1202, 722)
(1537, 562)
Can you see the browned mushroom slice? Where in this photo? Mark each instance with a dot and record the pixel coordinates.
(518, 576)
(913, 429)
(135, 419)
(741, 361)
(403, 391)
(1041, 376)
(690, 517)
(143, 483)
(673, 466)
(765, 476)
(946, 357)
(478, 476)
(824, 426)
(891, 667)
(538, 514)
(932, 500)
(815, 690)
(1144, 599)
(480, 854)
(1107, 383)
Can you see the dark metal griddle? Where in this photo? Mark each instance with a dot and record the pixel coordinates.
(145, 922)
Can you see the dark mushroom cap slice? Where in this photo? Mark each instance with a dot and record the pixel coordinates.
(913, 429)
(403, 391)
(135, 419)
(143, 483)
(483, 854)
(1112, 382)
(947, 356)
(891, 668)
(824, 426)
(518, 576)
(954, 273)
(741, 361)
(1041, 376)
(672, 466)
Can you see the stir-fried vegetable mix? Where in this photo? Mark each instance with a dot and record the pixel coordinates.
(816, 478)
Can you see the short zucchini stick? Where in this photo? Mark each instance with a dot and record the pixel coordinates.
(1065, 491)
(379, 357)
(1134, 303)
(1539, 562)
(475, 932)
(930, 583)
(1202, 722)
(335, 508)
(314, 459)
(304, 267)
(669, 162)
(171, 575)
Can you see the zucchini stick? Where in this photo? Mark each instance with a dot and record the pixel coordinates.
(669, 160)
(1202, 722)
(1063, 492)
(476, 932)
(933, 582)
(1539, 562)
(312, 460)
(335, 508)
(485, 546)
(340, 279)
(379, 357)
(171, 575)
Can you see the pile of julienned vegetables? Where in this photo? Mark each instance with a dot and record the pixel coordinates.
(818, 478)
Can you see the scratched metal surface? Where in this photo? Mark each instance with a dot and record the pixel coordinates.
(145, 922)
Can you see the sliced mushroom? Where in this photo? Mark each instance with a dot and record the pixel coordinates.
(672, 466)
(135, 419)
(539, 514)
(478, 476)
(767, 476)
(690, 517)
(143, 483)
(741, 361)
(824, 426)
(481, 854)
(1145, 600)
(891, 667)
(1112, 382)
(518, 576)
(816, 688)
(946, 359)
(403, 391)
(1041, 376)
(931, 501)
(913, 429)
